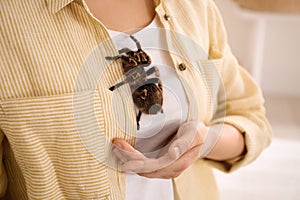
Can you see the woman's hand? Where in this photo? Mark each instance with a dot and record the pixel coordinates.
(182, 152)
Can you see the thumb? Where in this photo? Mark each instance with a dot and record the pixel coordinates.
(184, 139)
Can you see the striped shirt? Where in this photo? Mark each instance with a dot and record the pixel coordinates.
(58, 117)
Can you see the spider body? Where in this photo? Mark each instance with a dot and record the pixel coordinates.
(147, 93)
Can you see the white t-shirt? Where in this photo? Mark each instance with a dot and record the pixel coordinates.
(155, 130)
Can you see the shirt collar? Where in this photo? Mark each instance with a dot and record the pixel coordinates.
(56, 5)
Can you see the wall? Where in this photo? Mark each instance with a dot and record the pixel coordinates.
(268, 45)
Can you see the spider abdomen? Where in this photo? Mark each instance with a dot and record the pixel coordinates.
(148, 98)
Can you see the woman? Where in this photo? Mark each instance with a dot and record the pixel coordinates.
(58, 116)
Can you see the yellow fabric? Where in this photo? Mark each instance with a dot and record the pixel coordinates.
(3, 177)
(58, 117)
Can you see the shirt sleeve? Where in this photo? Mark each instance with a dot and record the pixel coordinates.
(244, 102)
(3, 178)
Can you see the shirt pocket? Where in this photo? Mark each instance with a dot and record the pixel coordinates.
(60, 145)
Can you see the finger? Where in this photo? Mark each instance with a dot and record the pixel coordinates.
(147, 165)
(119, 155)
(176, 168)
(133, 166)
(126, 151)
(131, 155)
(158, 163)
(123, 144)
(134, 161)
(185, 139)
(189, 135)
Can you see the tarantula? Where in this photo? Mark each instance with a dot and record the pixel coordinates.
(147, 93)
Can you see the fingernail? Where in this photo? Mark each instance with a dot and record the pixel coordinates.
(177, 151)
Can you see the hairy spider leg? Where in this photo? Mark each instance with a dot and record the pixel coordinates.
(112, 57)
(155, 80)
(138, 45)
(161, 88)
(155, 70)
(112, 88)
(138, 117)
(152, 80)
(152, 70)
(124, 50)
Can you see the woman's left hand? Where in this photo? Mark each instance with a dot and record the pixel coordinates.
(182, 152)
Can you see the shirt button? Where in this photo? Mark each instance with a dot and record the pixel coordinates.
(182, 67)
(167, 17)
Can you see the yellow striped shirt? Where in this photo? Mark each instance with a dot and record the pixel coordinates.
(57, 116)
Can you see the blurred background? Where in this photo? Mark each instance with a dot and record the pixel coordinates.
(265, 37)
